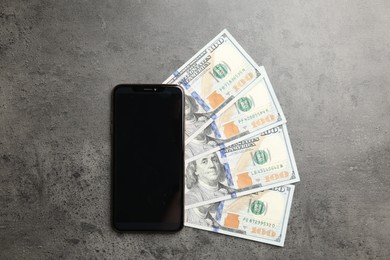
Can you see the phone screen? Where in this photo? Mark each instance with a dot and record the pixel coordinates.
(148, 158)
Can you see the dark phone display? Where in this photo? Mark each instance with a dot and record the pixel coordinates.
(148, 159)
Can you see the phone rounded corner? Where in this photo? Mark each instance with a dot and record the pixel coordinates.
(178, 87)
(114, 89)
(115, 228)
(180, 227)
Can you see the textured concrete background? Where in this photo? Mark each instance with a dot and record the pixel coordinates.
(329, 62)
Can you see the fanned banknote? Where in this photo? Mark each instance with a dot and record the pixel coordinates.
(212, 78)
(261, 216)
(238, 152)
(262, 161)
(256, 108)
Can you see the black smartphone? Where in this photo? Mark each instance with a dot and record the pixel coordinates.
(148, 158)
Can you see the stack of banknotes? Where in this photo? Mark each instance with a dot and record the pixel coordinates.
(239, 163)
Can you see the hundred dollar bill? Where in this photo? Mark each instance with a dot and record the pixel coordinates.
(256, 108)
(261, 216)
(260, 162)
(212, 78)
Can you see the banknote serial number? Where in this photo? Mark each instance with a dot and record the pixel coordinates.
(259, 222)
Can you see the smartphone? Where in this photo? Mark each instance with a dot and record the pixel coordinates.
(148, 158)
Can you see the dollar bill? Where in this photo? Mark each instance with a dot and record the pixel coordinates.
(212, 78)
(256, 108)
(262, 161)
(261, 216)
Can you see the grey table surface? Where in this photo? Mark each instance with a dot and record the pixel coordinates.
(329, 63)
